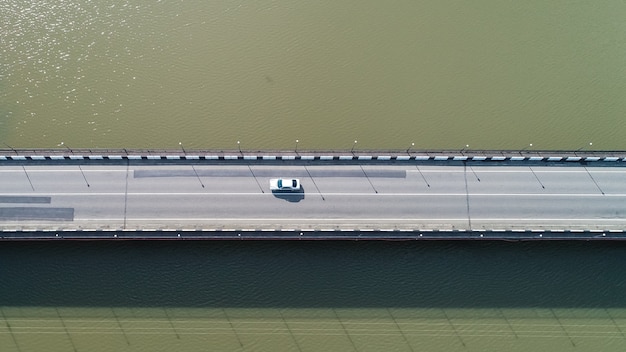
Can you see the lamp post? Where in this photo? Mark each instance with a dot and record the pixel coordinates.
(354, 145)
(15, 151)
(239, 146)
(409, 148)
(68, 148)
(181, 147)
(297, 146)
(529, 146)
(464, 148)
(581, 148)
(590, 144)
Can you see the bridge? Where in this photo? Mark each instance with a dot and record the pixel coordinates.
(344, 196)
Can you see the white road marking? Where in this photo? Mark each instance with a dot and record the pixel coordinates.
(521, 170)
(72, 194)
(352, 219)
(423, 168)
(36, 169)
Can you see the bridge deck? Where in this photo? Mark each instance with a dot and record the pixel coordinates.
(338, 201)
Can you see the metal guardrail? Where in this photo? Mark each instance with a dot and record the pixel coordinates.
(104, 155)
(313, 235)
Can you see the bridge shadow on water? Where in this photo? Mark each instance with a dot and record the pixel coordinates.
(313, 274)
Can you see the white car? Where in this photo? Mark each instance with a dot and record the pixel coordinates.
(284, 184)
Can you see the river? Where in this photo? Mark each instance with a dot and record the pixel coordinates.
(439, 74)
(313, 296)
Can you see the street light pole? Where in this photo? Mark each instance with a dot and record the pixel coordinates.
(296, 150)
(354, 145)
(529, 146)
(15, 151)
(239, 146)
(581, 148)
(409, 148)
(181, 147)
(68, 148)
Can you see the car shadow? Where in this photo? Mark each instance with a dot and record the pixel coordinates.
(290, 196)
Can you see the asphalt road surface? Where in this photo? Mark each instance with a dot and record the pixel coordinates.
(334, 197)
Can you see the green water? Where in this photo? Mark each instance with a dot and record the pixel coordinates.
(313, 296)
(440, 74)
